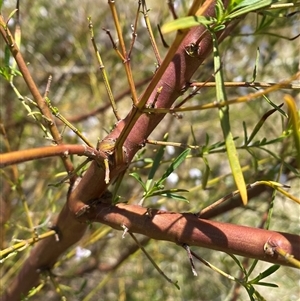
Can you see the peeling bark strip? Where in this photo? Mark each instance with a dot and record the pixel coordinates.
(187, 228)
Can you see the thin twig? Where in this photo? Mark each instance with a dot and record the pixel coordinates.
(134, 28)
(152, 261)
(103, 72)
(150, 32)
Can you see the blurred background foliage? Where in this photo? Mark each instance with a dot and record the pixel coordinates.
(56, 41)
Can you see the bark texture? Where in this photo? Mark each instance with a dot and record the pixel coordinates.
(175, 227)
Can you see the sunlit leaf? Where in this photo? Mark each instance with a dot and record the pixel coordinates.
(156, 163)
(219, 11)
(235, 166)
(295, 123)
(139, 179)
(243, 3)
(186, 22)
(269, 271)
(170, 193)
(11, 15)
(248, 6)
(241, 8)
(255, 66)
(232, 154)
(245, 133)
(275, 106)
(260, 124)
(174, 165)
(267, 284)
(205, 175)
(4, 71)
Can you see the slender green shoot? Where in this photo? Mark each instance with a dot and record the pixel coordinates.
(225, 124)
(103, 72)
(56, 113)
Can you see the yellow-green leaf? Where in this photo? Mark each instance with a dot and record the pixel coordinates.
(236, 167)
(232, 154)
(295, 123)
(185, 23)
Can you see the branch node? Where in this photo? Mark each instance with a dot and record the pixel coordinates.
(125, 231)
(190, 256)
(270, 248)
(57, 232)
(84, 209)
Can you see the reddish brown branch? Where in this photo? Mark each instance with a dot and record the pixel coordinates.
(46, 152)
(189, 229)
(174, 227)
(174, 80)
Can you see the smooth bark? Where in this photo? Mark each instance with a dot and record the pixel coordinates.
(174, 227)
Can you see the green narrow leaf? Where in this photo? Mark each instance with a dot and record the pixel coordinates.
(252, 267)
(172, 190)
(258, 296)
(139, 179)
(233, 4)
(275, 106)
(267, 284)
(295, 123)
(260, 124)
(244, 3)
(232, 154)
(235, 165)
(241, 8)
(4, 72)
(256, 65)
(174, 165)
(206, 139)
(175, 196)
(156, 163)
(220, 12)
(251, 291)
(185, 23)
(239, 264)
(269, 271)
(245, 133)
(11, 15)
(171, 193)
(206, 173)
(249, 6)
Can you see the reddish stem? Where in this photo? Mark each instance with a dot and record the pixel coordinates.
(46, 152)
(187, 228)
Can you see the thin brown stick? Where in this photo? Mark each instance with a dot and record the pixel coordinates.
(150, 33)
(46, 152)
(245, 84)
